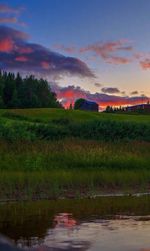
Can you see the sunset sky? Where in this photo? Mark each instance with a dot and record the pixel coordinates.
(95, 49)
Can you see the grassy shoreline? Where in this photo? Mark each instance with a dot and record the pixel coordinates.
(72, 168)
(46, 185)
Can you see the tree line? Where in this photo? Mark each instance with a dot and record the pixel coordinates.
(28, 92)
(110, 109)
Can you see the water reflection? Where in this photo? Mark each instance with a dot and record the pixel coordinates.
(64, 220)
(106, 235)
(94, 225)
(64, 235)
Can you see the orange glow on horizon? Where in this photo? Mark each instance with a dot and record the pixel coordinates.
(104, 104)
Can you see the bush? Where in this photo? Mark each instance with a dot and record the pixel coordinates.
(111, 130)
(15, 131)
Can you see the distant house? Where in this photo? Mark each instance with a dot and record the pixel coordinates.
(141, 107)
(87, 105)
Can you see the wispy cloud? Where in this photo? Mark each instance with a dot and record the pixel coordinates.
(134, 93)
(104, 48)
(11, 20)
(69, 49)
(10, 15)
(4, 8)
(110, 90)
(97, 84)
(119, 52)
(118, 60)
(108, 51)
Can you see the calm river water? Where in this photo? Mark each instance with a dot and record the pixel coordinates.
(102, 224)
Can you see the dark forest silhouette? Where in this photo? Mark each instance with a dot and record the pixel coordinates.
(28, 92)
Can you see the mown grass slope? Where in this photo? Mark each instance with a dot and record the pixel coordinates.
(49, 114)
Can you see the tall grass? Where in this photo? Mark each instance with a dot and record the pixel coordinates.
(70, 183)
(73, 154)
(72, 168)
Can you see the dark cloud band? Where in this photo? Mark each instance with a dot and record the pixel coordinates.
(16, 53)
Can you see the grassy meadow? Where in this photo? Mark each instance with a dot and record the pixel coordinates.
(51, 153)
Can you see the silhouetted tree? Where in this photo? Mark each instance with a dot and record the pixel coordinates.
(70, 107)
(109, 109)
(78, 103)
(18, 92)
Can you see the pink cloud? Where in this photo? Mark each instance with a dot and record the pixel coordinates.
(107, 47)
(10, 14)
(45, 65)
(24, 50)
(111, 52)
(4, 8)
(12, 20)
(118, 60)
(108, 51)
(21, 59)
(6, 45)
(145, 64)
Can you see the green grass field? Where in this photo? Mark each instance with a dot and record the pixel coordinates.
(49, 114)
(49, 153)
(54, 124)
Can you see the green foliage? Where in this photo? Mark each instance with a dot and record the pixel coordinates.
(13, 131)
(109, 130)
(97, 130)
(53, 124)
(16, 92)
(78, 103)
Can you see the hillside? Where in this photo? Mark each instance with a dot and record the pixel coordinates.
(54, 124)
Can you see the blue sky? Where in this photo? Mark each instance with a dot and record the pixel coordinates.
(82, 21)
(86, 21)
(86, 29)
